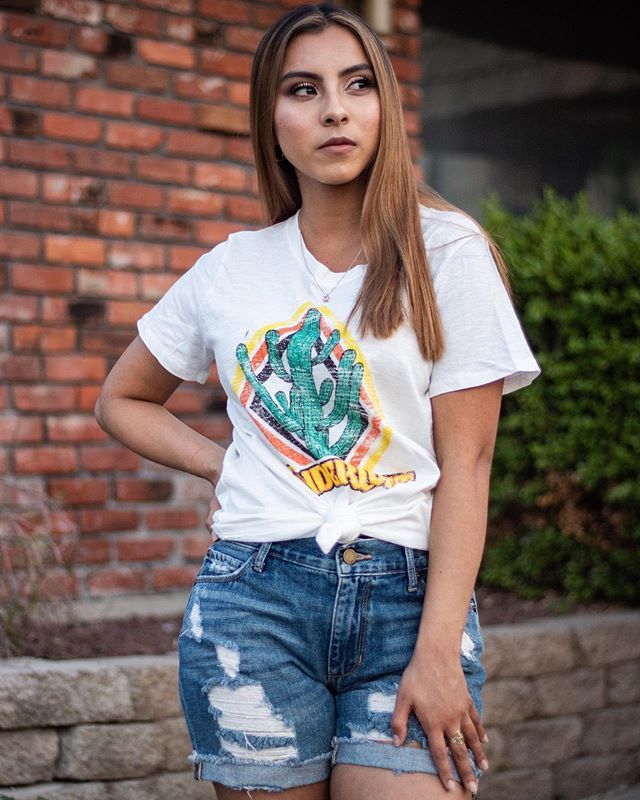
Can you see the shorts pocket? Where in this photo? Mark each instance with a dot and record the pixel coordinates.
(224, 561)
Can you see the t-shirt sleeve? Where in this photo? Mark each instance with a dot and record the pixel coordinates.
(173, 328)
(484, 340)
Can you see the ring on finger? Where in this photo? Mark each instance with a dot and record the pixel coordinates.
(457, 737)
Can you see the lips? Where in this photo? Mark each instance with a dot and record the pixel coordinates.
(336, 141)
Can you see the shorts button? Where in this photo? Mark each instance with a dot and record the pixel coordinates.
(349, 555)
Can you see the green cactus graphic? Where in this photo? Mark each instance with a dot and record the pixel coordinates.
(303, 412)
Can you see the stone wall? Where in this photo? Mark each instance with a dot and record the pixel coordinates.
(562, 710)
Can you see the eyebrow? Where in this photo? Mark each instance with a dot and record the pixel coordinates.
(315, 76)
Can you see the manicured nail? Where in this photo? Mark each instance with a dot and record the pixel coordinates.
(484, 764)
(485, 739)
(451, 786)
(472, 786)
(396, 740)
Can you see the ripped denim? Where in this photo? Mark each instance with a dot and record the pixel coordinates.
(290, 660)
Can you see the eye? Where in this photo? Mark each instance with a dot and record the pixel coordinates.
(361, 82)
(302, 89)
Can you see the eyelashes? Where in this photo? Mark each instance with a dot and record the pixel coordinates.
(364, 82)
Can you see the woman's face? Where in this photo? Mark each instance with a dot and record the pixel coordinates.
(327, 111)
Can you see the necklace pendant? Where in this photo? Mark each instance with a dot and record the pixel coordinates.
(325, 297)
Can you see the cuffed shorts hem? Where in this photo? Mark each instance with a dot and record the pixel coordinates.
(269, 778)
(386, 756)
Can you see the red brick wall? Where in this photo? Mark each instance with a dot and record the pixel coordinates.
(123, 156)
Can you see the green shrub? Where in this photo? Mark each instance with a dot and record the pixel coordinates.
(565, 490)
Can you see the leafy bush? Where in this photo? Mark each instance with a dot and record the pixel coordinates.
(565, 488)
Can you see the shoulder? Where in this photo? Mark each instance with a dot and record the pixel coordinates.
(450, 236)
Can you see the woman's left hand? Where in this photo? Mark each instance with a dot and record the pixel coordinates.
(434, 688)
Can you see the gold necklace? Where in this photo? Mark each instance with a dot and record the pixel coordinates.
(326, 295)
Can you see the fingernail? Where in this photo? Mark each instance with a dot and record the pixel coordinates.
(451, 786)
(396, 740)
(485, 739)
(484, 764)
(473, 787)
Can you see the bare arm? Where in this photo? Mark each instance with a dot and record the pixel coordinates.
(131, 409)
(465, 425)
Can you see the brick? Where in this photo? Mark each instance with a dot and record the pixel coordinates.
(190, 84)
(181, 257)
(173, 519)
(76, 129)
(18, 182)
(78, 491)
(88, 12)
(70, 66)
(211, 233)
(223, 119)
(25, 277)
(43, 398)
(136, 195)
(238, 93)
(108, 459)
(538, 784)
(240, 38)
(53, 340)
(192, 143)
(39, 154)
(173, 577)
(155, 286)
(612, 730)
(145, 79)
(166, 170)
(92, 40)
(129, 490)
(87, 397)
(106, 342)
(125, 312)
(74, 428)
(195, 546)
(153, 684)
(107, 283)
(181, 28)
(20, 429)
(101, 162)
(542, 741)
(607, 639)
(220, 176)
(116, 223)
(19, 368)
(36, 31)
(16, 308)
(174, 6)
(530, 649)
(163, 226)
(194, 201)
(76, 368)
(141, 256)
(167, 54)
(75, 250)
(623, 683)
(586, 776)
(96, 521)
(27, 756)
(144, 549)
(168, 112)
(37, 215)
(45, 460)
(19, 245)
(239, 149)
(131, 136)
(225, 10)
(116, 581)
(508, 700)
(73, 189)
(18, 57)
(111, 102)
(244, 208)
(39, 92)
(224, 62)
(133, 20)
(54, 309)
(406, 69)
(570, 692)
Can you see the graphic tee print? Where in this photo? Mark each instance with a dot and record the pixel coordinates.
(306, 385)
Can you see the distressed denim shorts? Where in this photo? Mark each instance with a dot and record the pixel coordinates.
(290, 660)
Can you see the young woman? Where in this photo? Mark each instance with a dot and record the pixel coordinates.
(331, 645)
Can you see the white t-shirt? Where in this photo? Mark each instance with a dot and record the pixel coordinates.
(332, 431)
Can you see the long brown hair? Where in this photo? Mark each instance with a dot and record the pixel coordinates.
(397, 272)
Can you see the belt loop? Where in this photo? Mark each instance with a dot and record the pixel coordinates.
(258, 564)
(412, 583)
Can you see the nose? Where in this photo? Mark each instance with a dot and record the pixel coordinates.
(333, 112)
